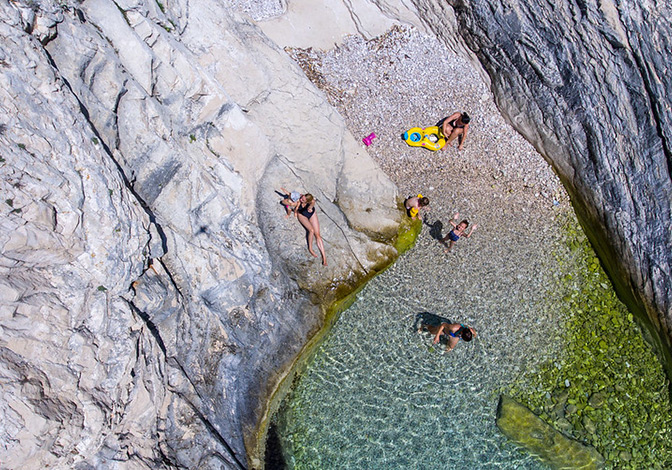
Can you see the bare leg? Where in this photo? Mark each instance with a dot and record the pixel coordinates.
(433, 329)
(446, 130)
(453, 135)
(450, 246)
(318, 238)
(311, 232)
(288, 208)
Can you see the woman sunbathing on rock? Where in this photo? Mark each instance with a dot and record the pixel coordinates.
(305, 211)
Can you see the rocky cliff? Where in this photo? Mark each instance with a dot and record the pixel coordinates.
(152, 291)
(588, 84)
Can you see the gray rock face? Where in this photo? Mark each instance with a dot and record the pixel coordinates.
(152, 291)
(587, 83)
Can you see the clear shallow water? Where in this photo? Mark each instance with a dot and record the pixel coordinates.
(378, 395)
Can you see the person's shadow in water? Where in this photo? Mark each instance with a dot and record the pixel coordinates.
(435, 228)
(428, 318)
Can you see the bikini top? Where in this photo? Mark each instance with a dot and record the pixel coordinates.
(458, 333)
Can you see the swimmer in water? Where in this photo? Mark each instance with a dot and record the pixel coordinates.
(451, 332)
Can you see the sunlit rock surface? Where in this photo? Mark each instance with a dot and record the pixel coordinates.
(151, 290)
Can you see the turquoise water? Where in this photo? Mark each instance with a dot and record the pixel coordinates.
(378, 395)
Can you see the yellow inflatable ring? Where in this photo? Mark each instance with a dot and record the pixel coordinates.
(429, 137)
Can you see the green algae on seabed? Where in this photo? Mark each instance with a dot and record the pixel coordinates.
(409, 230)
(607, 388)
(558, 451)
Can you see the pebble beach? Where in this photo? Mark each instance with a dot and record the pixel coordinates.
(498, 181)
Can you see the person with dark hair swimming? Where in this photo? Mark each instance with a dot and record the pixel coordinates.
(454, 127)
(452, 332)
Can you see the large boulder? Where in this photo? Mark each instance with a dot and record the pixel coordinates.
(587, 84)
(153, 294)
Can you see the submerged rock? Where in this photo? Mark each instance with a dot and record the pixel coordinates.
(597, 399)
(555, 449)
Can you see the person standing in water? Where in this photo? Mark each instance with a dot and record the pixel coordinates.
(305, 212)
(459, 230)
(454, 127)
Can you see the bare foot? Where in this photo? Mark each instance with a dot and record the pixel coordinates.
(313, 253)
(446, 250)
(324, 261)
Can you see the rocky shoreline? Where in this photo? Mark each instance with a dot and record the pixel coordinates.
(151, 288)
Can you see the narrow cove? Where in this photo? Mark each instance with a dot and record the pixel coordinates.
(377, 394)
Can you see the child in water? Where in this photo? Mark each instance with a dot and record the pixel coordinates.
(414, 204)
(459, 230)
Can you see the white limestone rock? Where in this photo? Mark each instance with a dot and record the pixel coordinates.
(152, 291)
